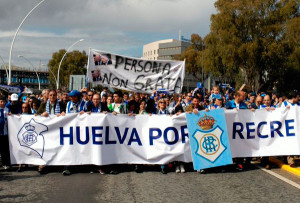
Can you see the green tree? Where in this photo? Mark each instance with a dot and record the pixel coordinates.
(73, 64)
(193, 56)
(291, 74)
(249, 36)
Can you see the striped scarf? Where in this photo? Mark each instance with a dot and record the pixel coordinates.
(57, 107)
(163, 112)
(75, 108)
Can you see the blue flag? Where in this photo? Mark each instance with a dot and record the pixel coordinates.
(209, 139)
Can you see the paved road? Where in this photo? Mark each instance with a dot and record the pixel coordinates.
(249, 186)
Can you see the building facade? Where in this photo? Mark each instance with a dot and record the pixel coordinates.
(25, 77)
(164, 49)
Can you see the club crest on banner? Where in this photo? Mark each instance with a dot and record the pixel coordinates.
(30, 136)
(208, 139)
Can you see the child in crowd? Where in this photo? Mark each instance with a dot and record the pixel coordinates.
(215, 93)
(217, 103)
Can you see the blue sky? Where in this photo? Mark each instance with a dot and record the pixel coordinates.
(118, 26)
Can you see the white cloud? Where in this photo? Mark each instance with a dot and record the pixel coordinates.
(120, 26)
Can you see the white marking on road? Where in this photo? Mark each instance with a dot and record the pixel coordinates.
(279, 177)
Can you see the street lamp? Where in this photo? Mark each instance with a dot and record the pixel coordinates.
(13, 41)
(49, 70)
(20, 56)
(63, 59)
(4, 66)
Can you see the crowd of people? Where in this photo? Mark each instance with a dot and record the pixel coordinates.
(57, 102)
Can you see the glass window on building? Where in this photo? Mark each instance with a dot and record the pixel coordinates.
(154, 51)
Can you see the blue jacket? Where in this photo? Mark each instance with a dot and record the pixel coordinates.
(231, 105)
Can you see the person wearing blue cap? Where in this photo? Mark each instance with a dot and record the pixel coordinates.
(199, 91)
(77, 104)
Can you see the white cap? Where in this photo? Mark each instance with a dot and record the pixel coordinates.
(14, 97)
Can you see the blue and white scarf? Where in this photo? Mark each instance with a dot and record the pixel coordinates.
(57, 107)
(263, 106)
(163, 112)
(75, 108)
(33, 111)
(287, 103)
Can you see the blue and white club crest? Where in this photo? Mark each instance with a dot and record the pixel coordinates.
(209, 142)
(30, 136)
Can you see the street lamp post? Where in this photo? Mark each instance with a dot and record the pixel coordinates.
(63, 59)
(20, 56)
(13, 41)
(49, 70)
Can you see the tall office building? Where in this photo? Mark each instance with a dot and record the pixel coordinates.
(166, 50)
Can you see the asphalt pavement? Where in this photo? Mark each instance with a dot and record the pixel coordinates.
(253, 185)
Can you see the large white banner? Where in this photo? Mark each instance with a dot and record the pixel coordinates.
(134, 74)
(98, 139)
(107, 139)
(264, 133)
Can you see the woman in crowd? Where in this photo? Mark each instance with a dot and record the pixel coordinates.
(161, 105)
(142, 109)
(132, 107)
(34, 105)
(25, 111)
(109, 100)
